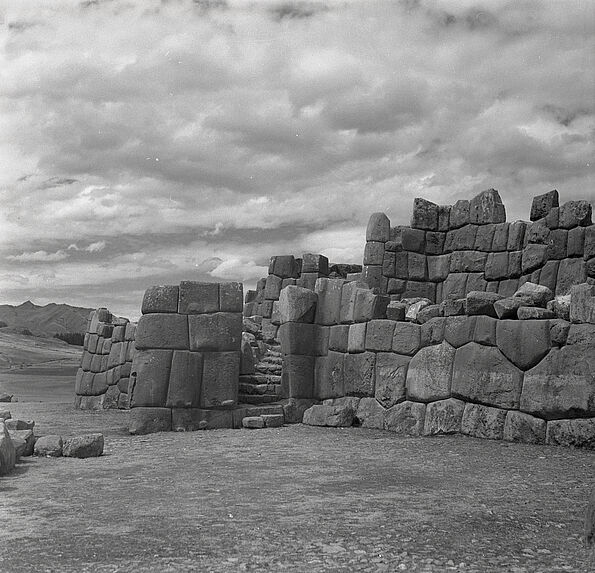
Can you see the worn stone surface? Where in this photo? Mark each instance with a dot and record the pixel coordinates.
(406, 338)
(160, 299)
(523, 342)
(571, 272)
(339, 337)
(435, 242)
(253, 422)
(483, 374)
(356, 341)
(577, 433)
(49, 446)
(575, 214)
(507, 307)
(391, 375)
(374, 253)
(487, 208)
(87, 446)
(7, 451)
(192, 419)
(534, 313)
(220, 379)
(468, 262)
(582, 303)
(314, 263)
(483, 422)
(429, 312)
(539, 295)
(198, 297)
(297, 304)
(497, 266)
(334, 416)
(294, 408)
(185, 379)
(484, 238)
(157, 330)
(298, 375)
(329, 375)
(429, 373)
(459, 214)
(368, 305)
(542, 204)
(521, 427)
(432, 331)
(378, 228)
(444, 417)
(485, 330)
(396, 311)
(559, 329)
(217, 332)
(459, 330)
(150, 378)
(453, 307)
(370, 414)
(480, 302)
(562, 384)
(425, 215)
(405, 418)
(455, 286)
(329, 300)
(272, 287)
(379, 335)
(581, 334)
(359, 374)
(284, 266)
(534, 256)
(413, 240)
(300, 338)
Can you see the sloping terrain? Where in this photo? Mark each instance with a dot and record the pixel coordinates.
(44, 320)
(18, 351)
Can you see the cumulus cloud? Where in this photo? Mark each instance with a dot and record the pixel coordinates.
(162, 134)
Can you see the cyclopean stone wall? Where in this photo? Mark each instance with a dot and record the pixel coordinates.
(449, 251)
(185, 373)
(103, 376)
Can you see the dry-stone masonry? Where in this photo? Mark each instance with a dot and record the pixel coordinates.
(103, 377)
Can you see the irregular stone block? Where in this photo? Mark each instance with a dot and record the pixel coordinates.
(220, 379)
(435, 242)
(391, 373)
(284, 266)
(401, 270)
(8, 454)
(406, 338)
(314, 263)
(378, 228)
(359, 374)
(521, 427)
(373, 253)
(253, 422)
(575, 246)
(417, 267)
(582, 303)
(91, 402)
(87, 446)
(294, 408)
(230, 297)
(168, 331)
(561, 385)
(485, 331)
(534, 256)
(396, 311)
(455, 286)
(462, 239)
(459, 330)
(537, 233)
(160, 299)
(308, 280)
(444, 417)
(388, 264)
(549, 274)
(432, 331)
(483, 374)
(405, 418)
(48, 446)
(557, 244)
(372, 276)
(559, 331)
(301, 338)
(571, 272)
(430, 373)
(425, 215)
(420, 289)
(396, 286)
(534, 313)
(297, 304)
(329, 300)
(192, 419)
(333, 416)
(329, 376)
(339, 337)
(576, 433)
(298, 375)
(357, 337)
(370, 414)
(428, 312)
(507, 307)
(543, 204)
(198, 297)
(272, 287)
(483, 422)
(497, 266)
(537, 295)
(467, 262)
(130, 333)
(453, 307)
(508, 287)
(150, 378)
(111, 398)
(443, 217)
(487, 208)
(379, 335)
(438, 267)
(581, 334)
(217, 332)
(476, 282)
(516, 236)
(413, 240)
(575, 214)
(589, 245)
(459, 214)
(185, 378)
(484, 238)
(500, 240)
(368, 306)
(479, 302)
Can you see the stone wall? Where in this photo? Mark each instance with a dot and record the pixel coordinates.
(449, 251)
(103, 377)
(185, 373)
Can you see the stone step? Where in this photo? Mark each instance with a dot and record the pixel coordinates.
(260, 379)
(268, 359)
(263, 421)
(257, 398)
(264, 409)
(264, 369)
(254, 389)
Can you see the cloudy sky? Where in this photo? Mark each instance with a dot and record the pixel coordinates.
(146, 142)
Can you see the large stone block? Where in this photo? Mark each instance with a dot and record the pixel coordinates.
(371, 275)
(548, 276)
(368, 305)
(420, 289)
(373, 253)
(150, 378)
(192, 419)
(7, 451)
(272, 287)
(571, 272)
(413, 240)
(405, 418)
(429, 374)
(467, 262)
(298, 375)
(557, 244)
(459, 214)
(333, 416)
(444, 417)
(543, 204)
(500, 241)
(329, 376)
(185, 380)
(487, 208)
(339, 337)
(301, 338)
(462, 239)
(370, 414)
(562, 384)
(582, 303)
(575, 247)
(401, 270)
(516, 236)
(391, 374)
(417, 268)
(483, 374)
(198, 297)
(168, 331)
(483, 422)
(484, 238)
(231, 296)
(356, 341)
(425, 215)
(284, 266)
(432, 331)
(575, 214)
(406, 338)
(379, 335)
(438, 267)
(485, 331)
(521, 427)
(481, 303)
(378, 228)
(297, 304)
(217, 332)
(359, 374)
(435, 242)
(455, 286)
(497, 266)
(523, 342)
(160, 299)
(576, 433)
(459, 330)
(314, 263)
(149, 420)
(220, 379)
(534, 257)
(329, 300)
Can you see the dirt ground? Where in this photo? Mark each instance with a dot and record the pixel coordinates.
(295, 498)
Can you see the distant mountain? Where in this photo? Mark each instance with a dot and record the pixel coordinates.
(43, 320)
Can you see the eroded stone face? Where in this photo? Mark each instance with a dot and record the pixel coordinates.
(391, 373)
(430, 373)
(523, 342)
(405, 418)
(444, 417)
(483, 422)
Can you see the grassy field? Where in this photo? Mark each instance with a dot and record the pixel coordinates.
(295, 498)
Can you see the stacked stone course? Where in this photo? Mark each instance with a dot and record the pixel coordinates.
(108, 350)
